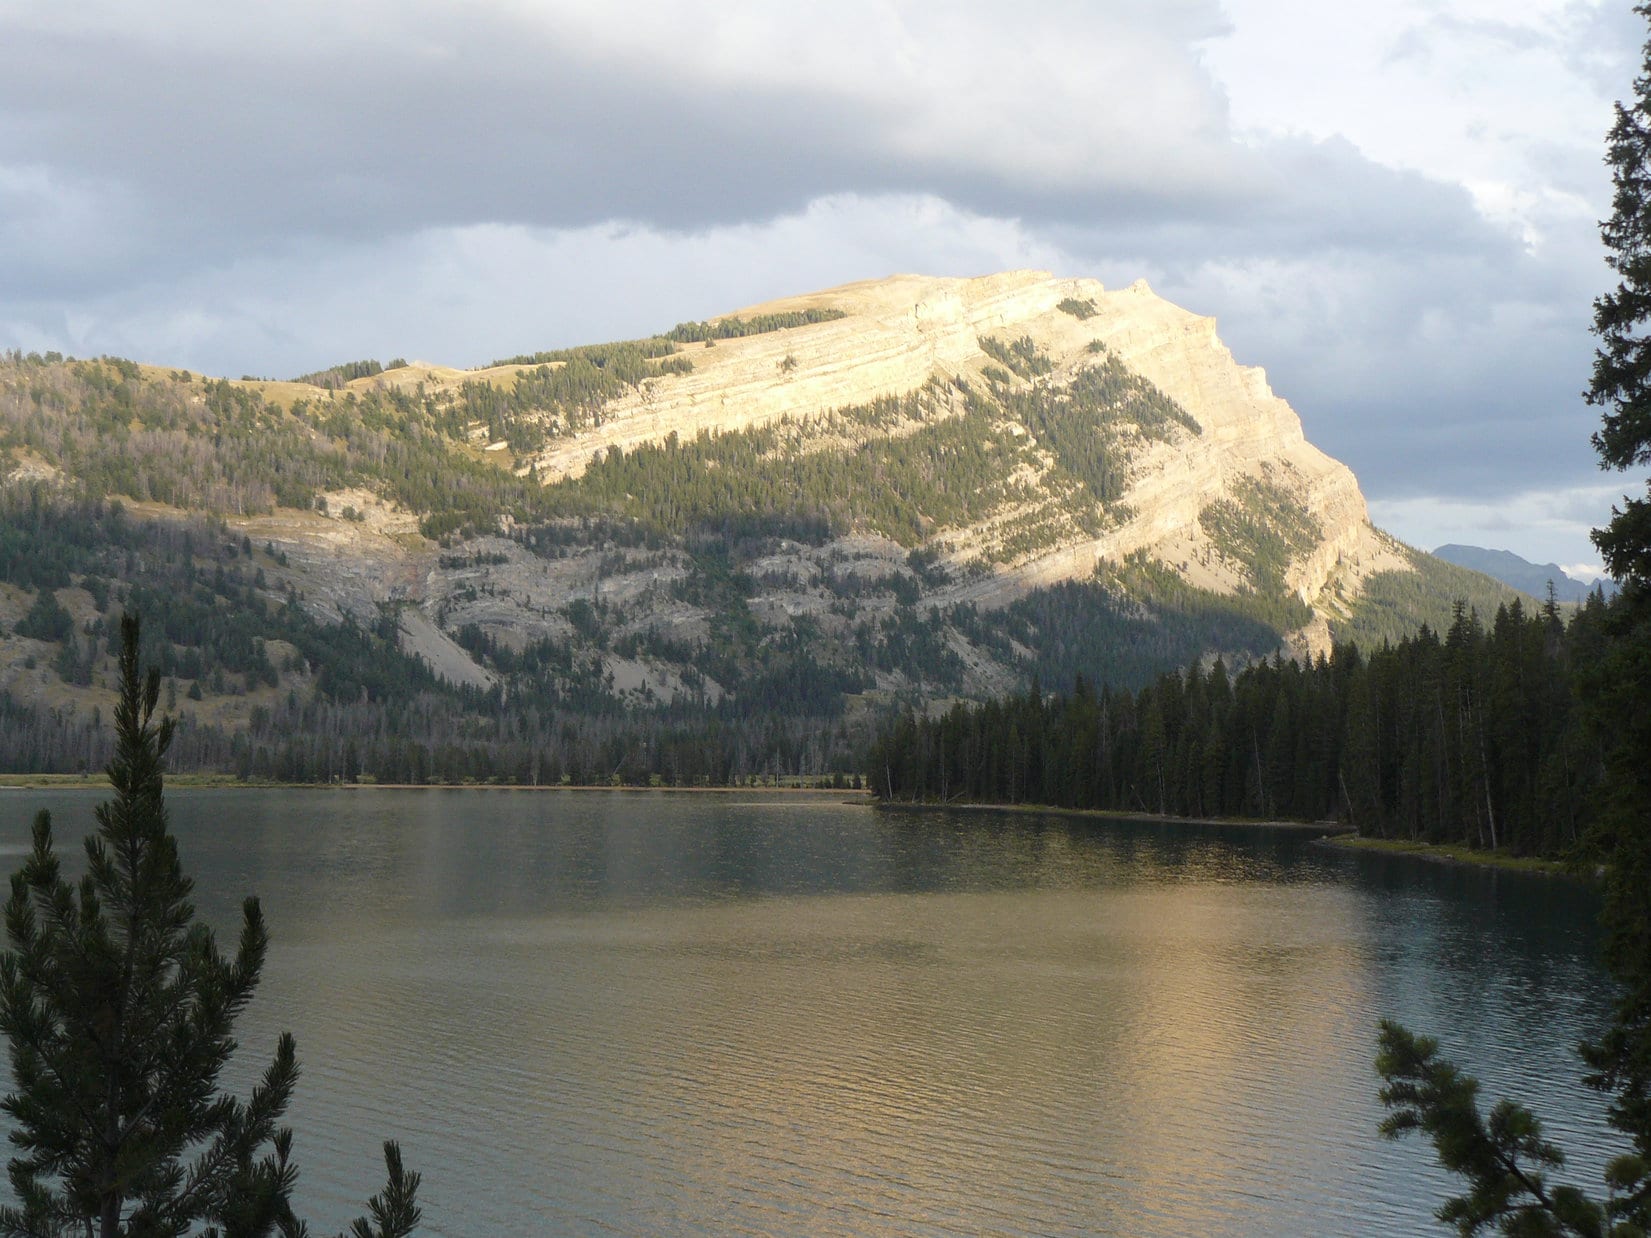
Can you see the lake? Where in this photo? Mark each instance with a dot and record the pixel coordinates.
(705, 1014)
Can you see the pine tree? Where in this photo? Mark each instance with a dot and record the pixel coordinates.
(1622, 364)
(1621, 683)
(119, 1012)
(1503, 1158)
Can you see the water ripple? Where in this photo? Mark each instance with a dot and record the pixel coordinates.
(662, 1015)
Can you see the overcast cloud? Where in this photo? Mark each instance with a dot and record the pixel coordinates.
(1393, 209)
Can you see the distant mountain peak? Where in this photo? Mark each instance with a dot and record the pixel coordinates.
(1520, 573)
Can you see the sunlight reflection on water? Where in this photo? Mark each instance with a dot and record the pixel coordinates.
(652, 1014)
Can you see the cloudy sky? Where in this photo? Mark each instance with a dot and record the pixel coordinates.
(1391, 207)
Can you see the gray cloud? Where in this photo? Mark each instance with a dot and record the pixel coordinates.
(1601, 43)
(1418, 41)
(224, 147)
(273, 189)
(468, 295)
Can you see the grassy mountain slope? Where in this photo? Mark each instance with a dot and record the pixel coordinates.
(1394, 604)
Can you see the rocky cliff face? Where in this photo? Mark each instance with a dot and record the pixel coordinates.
(901, 333)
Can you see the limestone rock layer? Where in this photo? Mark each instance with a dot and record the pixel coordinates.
(904, 331)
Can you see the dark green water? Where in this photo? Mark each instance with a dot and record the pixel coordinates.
(701, 1014)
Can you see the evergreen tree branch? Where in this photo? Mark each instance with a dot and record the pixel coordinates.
(119, 1011)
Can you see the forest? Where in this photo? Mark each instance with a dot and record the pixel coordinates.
(323, 700)
(315, 699)
(1471, 735)
(340, 701)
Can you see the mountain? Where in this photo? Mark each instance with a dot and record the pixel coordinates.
(1521, 574)
(715, 551)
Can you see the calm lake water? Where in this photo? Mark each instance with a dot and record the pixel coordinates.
(592, 1013)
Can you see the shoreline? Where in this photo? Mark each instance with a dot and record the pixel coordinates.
(182, 782)
(1328, 834)
(1464, 857)
(581, 788)
(1325, 829)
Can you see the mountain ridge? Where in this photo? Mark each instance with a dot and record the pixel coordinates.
(1520, 573)
(897, 491)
